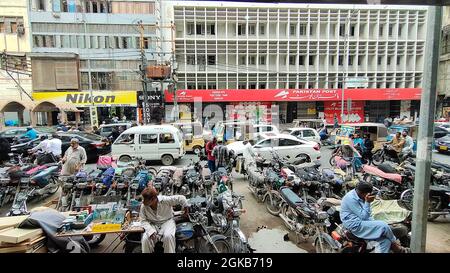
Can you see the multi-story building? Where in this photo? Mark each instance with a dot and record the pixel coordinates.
(93, 47)
(15, 74)
(297, 55)
(443, 88)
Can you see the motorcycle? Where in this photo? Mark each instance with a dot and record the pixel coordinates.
(43, 183)
(224, 213)
(387, 153)
(438, 204)
(390, 183)
(340, 240)
(301, 217)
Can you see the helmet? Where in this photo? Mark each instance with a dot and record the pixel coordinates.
(222, 188)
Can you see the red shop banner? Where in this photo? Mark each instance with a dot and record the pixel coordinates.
(237, 95)
(332, 108)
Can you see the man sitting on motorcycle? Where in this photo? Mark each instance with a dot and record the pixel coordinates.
(356, 217)
(409, 144)
(156, 216)
(41, 150)
(397, 144)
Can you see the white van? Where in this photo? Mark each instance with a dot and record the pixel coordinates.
(150, 142)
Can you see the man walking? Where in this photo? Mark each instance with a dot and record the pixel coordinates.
(211, 159)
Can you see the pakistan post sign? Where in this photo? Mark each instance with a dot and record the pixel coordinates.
(84, 99)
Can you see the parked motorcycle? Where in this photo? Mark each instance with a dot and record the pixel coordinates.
(438, 204)
(387, 153)
(41, 184)
(341, 240)
(390, 183)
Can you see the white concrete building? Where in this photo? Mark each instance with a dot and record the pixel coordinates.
(246, 46)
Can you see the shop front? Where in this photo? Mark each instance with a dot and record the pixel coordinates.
(289, 104)
(102, 106)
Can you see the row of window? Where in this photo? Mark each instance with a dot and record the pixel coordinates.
(95, 6)
(250, 29)
(292, 60)
(11, 25)
(95, 42)
(332, 84)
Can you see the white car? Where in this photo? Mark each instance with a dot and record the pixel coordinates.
(309, 134)
(285, 145)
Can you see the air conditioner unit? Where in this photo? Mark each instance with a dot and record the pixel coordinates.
(56, 15)
(20, 30)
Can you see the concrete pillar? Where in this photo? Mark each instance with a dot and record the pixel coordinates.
(33, 117)
(77, 118)
(49, 118)
(20, 117)
(2, 121)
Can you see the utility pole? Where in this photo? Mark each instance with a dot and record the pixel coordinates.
(426, 126)
(174, 75)
(145, 104)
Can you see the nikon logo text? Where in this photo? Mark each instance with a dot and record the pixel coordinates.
(84, 98)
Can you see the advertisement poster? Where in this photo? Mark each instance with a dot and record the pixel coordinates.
(356, 114)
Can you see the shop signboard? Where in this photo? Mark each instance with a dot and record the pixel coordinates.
(282, 95)
(85, 99)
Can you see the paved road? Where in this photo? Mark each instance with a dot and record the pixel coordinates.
(270, 237)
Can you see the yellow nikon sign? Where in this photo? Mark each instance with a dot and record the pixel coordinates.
(84, 99)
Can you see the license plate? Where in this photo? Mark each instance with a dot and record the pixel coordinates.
(443, 148)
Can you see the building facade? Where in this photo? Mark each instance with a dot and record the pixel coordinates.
(15, 74)
(105, 38)
(297, 55)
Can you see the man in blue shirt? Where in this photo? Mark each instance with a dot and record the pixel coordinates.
(31, 133)
(356, 217)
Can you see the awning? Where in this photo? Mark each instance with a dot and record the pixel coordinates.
(12, 105)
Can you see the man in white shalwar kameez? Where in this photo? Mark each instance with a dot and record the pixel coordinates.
(156, 216)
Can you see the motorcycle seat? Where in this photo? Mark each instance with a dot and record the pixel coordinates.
(351, 237)
(120, 185)
(67, 185)
(291, 197)
(387, 168)
(377, 172)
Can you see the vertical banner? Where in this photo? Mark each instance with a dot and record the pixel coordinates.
(146, 113)
(94, 115)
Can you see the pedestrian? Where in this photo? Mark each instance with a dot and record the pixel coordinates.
(336, 121)
(74, 159)
(209, 150)
(5, 149)
(368, 147)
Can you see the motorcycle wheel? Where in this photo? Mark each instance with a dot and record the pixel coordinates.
(332, 161)
(221, 244)
(54, 181)
(433, 206)
(377, 158)
(406, 199)
(326, 247)
(272, 203)
(94, 240)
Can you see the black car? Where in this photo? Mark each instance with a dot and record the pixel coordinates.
(93, 144)
(12, 133)
(443, 144)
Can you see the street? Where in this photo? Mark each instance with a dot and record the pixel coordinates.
(270, 238)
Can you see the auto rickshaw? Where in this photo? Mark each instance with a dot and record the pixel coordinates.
(192, 135)
(231, 131)
(377, 131)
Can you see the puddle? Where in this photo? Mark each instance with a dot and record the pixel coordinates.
(271, 241)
